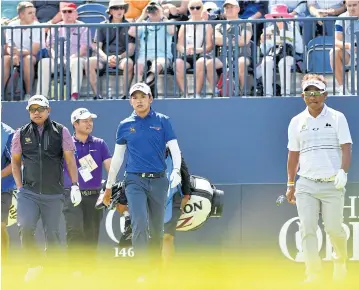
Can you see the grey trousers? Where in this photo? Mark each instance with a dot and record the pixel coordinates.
(30, 208)
(311, 198)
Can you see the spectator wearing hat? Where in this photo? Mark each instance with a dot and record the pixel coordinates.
(111, 41)
(41, 146)
(289, 42)
(152, 43)
(77, 57)
(23, 44)
(194, 43)
(83, 220)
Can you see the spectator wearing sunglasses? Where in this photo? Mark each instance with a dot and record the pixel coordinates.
(109, 42)
(77, 57)
(194, 42)
(24, 44)
(155, 43)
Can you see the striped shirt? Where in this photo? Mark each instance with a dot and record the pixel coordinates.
(318, 140)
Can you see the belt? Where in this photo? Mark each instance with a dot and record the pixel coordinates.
(89, 192)
(329, 179)
(151, 175)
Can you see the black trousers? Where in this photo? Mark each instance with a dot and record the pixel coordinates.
(82, 225)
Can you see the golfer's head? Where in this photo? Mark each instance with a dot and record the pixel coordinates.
(141, 97)
(39, 109)
(314, 90)
(82, 121)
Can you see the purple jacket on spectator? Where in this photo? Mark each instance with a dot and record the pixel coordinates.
(99, 151)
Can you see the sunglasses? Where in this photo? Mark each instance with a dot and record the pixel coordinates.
(195, 7)
(313, 93)
(67, 11)
(118, 7)
(39, 109)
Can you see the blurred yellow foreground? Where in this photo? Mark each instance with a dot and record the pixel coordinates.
(194, 271)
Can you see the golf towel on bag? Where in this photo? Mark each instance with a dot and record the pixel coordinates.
(171, 191)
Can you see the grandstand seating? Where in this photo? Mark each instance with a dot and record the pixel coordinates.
(316, 60)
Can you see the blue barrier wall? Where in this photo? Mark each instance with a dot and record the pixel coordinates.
(239, 144)
(239, 140)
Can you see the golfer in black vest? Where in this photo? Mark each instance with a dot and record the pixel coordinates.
(42, 145)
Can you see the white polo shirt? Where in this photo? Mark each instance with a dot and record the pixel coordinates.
(24, 41)
(318, 140)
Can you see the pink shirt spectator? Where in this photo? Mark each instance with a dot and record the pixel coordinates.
(67, 141)
(76, 34)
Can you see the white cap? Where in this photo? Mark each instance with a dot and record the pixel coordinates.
(318, 84)
(142, 87)
(37, 100)
(81, 114)
(232, 2)
(210, 5)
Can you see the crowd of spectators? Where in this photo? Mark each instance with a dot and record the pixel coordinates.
(139, 52)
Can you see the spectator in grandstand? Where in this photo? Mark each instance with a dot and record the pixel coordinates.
(38, 151)
(194, 42)
(237, 45)
(295, 7)
(343, 41)
(107, 48)
(24, 44)
(76, 59)
(252, 9)
(283, 54)
(50, 11)
(174, 9)
(5, 74)
(155, 43)
(322, 8)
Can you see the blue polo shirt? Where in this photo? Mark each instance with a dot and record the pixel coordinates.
(146, 140)
(8, 182)
(98, 150)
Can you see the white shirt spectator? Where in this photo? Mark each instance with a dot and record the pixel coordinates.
(26, 42)
(318, 140)
(326, 4)
(344, 26)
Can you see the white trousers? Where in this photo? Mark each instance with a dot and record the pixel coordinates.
(284, 69)
(311, 198)
(77, 66)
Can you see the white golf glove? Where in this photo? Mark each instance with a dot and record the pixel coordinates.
(75, 195)
(340, 179)
(175, 178)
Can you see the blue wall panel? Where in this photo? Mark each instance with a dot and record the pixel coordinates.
(238, 140)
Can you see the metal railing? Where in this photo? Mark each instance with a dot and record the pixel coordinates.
(231, 58)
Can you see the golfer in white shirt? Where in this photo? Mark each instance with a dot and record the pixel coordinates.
(320, 145)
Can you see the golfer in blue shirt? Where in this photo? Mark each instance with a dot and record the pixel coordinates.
(145, 134)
